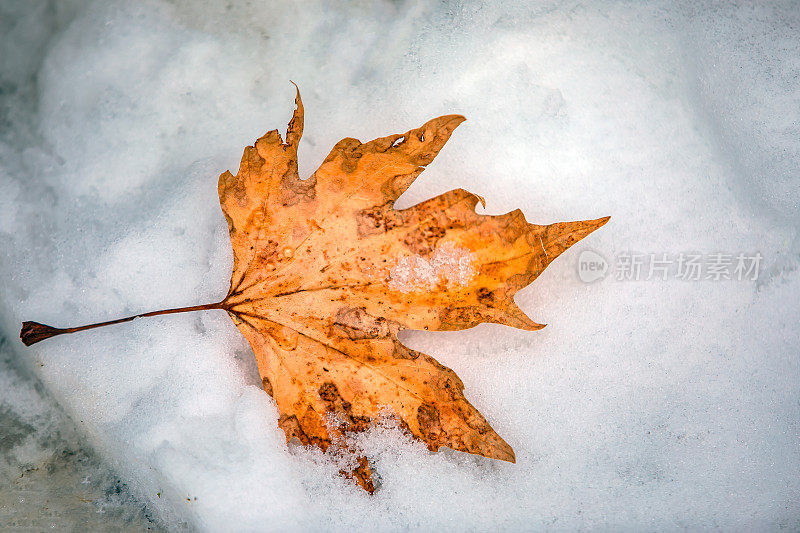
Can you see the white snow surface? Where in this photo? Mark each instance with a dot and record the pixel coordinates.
(647, 405)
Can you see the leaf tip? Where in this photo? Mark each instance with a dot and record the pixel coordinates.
(515, 317)
(504, 452)
(589, 226)
(453, 121)
(586, 227)
(295, 129)
(442, 127)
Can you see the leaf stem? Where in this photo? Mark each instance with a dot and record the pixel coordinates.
(33, 332)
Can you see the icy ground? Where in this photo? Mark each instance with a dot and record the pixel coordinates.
(49, 479)
(649, 404)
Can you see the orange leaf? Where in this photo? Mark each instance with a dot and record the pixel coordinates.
(327, 273)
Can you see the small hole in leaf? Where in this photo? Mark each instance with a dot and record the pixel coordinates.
(398, 142)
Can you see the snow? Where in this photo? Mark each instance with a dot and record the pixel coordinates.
(50, 479)
(449, 264)
(649, 404)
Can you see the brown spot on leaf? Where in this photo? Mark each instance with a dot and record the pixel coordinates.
(357, 324)
(430, 425)
(423, 240)
(377, 219)
(267, 385)
(361, 474)
(334, 403)
(359, 423)
(267, 251)
(402, 352)
(485, 296)
(350, 153)
(291, 426)
(462, 317)
(329, 392)
(296, 190)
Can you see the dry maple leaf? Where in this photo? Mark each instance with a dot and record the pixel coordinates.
(327, 273)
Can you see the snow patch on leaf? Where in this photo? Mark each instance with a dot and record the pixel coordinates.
(449, 264)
